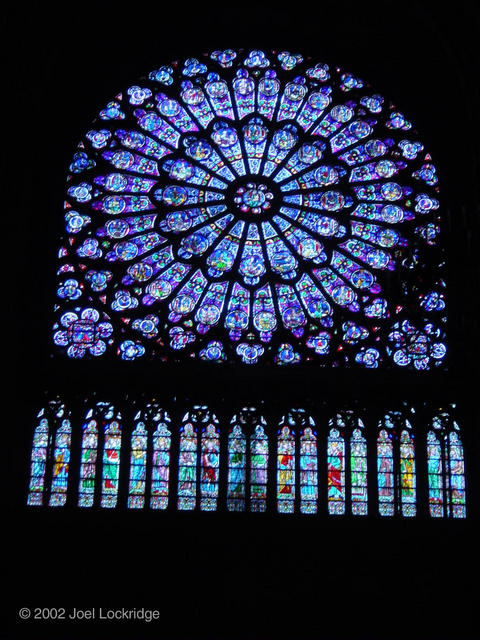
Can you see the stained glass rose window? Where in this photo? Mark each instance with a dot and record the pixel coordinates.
(253, 207)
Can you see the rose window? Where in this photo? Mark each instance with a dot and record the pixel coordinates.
(252, 207)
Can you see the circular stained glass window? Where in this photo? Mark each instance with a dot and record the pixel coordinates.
(252, 207)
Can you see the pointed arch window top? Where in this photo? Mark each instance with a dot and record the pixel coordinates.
(252, 206)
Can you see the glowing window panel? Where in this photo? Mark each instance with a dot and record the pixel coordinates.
(408, 484)
(160, 467)
(258, 469)
(385, 474)
(187, 468)
(286, 471)
(436, 503)
(336, 473)
(88, 465)
(61, 464)
(358, 473)
(138, 467)
(209, 468)
(111, 464)
(308, 471)
(38, 463)
(241, 169)
(237, 450)
(456, 477)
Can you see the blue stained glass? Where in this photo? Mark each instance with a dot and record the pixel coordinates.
(286, 471)
(219, 96)
(336, 473)
(408, 483)
(187, 469)
(111, 464)
(38, 463)
(209, 467)
(385, 475)
(138, 467)
(250, 170)
(237, 448)
(456, 471)
(258, 469)
(244, 89)
(61, 465)
(446, 469)
(88, 467)
(308, 471)
(160, 465)
(358, 470)
(435, 476)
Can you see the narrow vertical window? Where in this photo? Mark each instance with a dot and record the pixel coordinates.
(385, 477)
(111, 464)
(258, 469)
(456, 477)
(160, 467)
(286, 471)
(138, 467)
(308, 472)
(61, 463)
(38, 463)
(435, 476)
(358, 473)
(187, 468)
(88, 465)
(336, 473)
(210, 461)
(408, 489)
(237, 448)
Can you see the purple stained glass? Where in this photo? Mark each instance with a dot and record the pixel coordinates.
(249, 211)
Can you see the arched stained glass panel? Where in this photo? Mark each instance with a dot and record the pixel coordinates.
(250, 209)
(336, 473)
(138, 467)
(385, 474)
(88, 465)
(286, 471)
(237, 451)
(408, 478)
(61, 465)
(160, 466)
(210, 464)
(38, 463)
(446, 468)
(456, 472)
(187, 468)
(435, 476)
(258, 469)
(111, 464)
(308, 471)
(358, 473)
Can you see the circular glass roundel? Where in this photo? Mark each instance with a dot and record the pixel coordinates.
(252, 207)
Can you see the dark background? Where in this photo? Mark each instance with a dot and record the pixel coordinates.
(211, 575)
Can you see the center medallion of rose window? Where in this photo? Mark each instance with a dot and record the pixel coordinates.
(253, 198)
